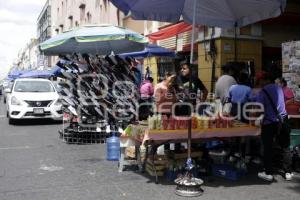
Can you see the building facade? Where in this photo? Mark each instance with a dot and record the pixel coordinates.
(27, 57)
(44, 32)
(68, 14)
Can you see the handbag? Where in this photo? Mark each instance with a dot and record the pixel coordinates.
(284, 130)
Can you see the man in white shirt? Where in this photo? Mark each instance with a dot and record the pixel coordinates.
(224, 82)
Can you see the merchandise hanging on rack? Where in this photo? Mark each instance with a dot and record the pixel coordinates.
(96, 92)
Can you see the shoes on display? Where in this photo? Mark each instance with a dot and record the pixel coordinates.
(267, 177)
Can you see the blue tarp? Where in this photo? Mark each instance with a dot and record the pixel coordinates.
(37, 74)
(56, 71)
(15, 74)
(151, 50)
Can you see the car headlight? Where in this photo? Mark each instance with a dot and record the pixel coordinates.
(15, 101)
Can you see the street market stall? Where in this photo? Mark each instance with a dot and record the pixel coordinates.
(92, 79)
(227, 14)
(174, 131)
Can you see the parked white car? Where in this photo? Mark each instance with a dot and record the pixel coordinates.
(33, 98)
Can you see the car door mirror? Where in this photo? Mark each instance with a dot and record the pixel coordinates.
(7, 90)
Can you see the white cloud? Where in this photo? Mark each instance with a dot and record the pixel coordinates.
(18, 20)
(7, 16)
(30, 2)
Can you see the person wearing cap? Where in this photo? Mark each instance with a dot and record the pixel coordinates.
(183, 83)
(272, 96)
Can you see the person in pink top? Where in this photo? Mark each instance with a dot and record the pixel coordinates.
(287, 92)
(147, 88)
(165, 94)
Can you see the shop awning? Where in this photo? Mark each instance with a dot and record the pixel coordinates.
(170, 31)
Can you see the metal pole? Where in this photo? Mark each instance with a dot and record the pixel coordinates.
(235, 43)
(190, 78)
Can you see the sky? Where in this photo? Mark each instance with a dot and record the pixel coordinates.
(18, 24)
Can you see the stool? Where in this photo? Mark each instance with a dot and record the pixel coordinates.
(124, 143)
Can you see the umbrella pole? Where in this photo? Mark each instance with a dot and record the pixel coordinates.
(188, 185)
(235, 43)
(190, 80)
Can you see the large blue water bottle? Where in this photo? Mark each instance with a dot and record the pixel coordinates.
(113, 148)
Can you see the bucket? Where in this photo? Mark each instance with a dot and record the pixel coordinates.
(113, 148)
(295, 137)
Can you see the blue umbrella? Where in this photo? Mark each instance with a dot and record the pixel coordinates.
(151, 50)
(101, 40)
(220, 13)
(38, 74)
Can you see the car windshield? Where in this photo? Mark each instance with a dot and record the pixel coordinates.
(33, 86)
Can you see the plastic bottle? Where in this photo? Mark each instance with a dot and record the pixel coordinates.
(113, 148)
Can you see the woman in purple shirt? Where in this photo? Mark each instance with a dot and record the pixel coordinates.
(270, 126)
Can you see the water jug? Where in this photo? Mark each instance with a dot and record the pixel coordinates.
(113, 148)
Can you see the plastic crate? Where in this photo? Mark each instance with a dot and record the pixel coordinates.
(227, 172)
(295, 137)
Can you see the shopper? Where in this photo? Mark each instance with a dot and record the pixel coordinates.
(239, 94)
(271, 97)
(224, 83)
(147, 89)
(287, 92)
(165, 94)
(184, 94)
(146, 100)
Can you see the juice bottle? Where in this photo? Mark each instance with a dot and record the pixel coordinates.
(165, 122)
(172, 123)
(194, 122)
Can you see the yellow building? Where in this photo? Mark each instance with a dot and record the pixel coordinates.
(222, 49)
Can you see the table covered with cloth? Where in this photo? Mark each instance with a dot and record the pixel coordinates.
(143, 134)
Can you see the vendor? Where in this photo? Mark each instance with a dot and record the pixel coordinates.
(287, 92)
(184, 93)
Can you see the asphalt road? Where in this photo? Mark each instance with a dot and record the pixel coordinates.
(36, 165)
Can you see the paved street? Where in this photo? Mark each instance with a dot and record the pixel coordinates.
(36, 165)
